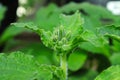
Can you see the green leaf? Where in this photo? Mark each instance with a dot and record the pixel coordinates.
(45, 73)
(93, 38)
(95, 42)
(29, 25)
(91, 9)
(10, 32)
(45, 35)
(49, 19)
(110, 31)
(53, 71)
(93, 48)
(87, 10)
(76, 60)
(116, 46)
(115, 59)
(71, 7)
(41, 53)
(72, 23)
(112, 73)
(18, 66)
(89, 24)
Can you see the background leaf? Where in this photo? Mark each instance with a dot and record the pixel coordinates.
(47, 17)
(76, 60)
(115, 59)
(110, 31)
(112, 73)
(10, 32)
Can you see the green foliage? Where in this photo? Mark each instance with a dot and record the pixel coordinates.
(115, 59)
(93, 38)
(116, 46)
(87, 11)
(76, 60)
(76, 28)
(49, 19)
(17, 66)
(95, 43)
(10, 32)
(94, 48)
(63, 38)
(110, 31)
(111, 73)
(41, 53)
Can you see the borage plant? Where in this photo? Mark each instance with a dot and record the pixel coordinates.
(64, 38)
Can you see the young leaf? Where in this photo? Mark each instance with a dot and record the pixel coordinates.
(67, 35)
(112, 73)
(72, 23)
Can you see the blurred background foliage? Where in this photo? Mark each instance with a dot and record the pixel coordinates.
(88, 60)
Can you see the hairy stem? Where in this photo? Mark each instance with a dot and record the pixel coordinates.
(63, 65)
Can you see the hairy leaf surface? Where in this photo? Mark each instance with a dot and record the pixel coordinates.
(18, 66)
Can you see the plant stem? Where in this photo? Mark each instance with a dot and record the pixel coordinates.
(63, 65)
